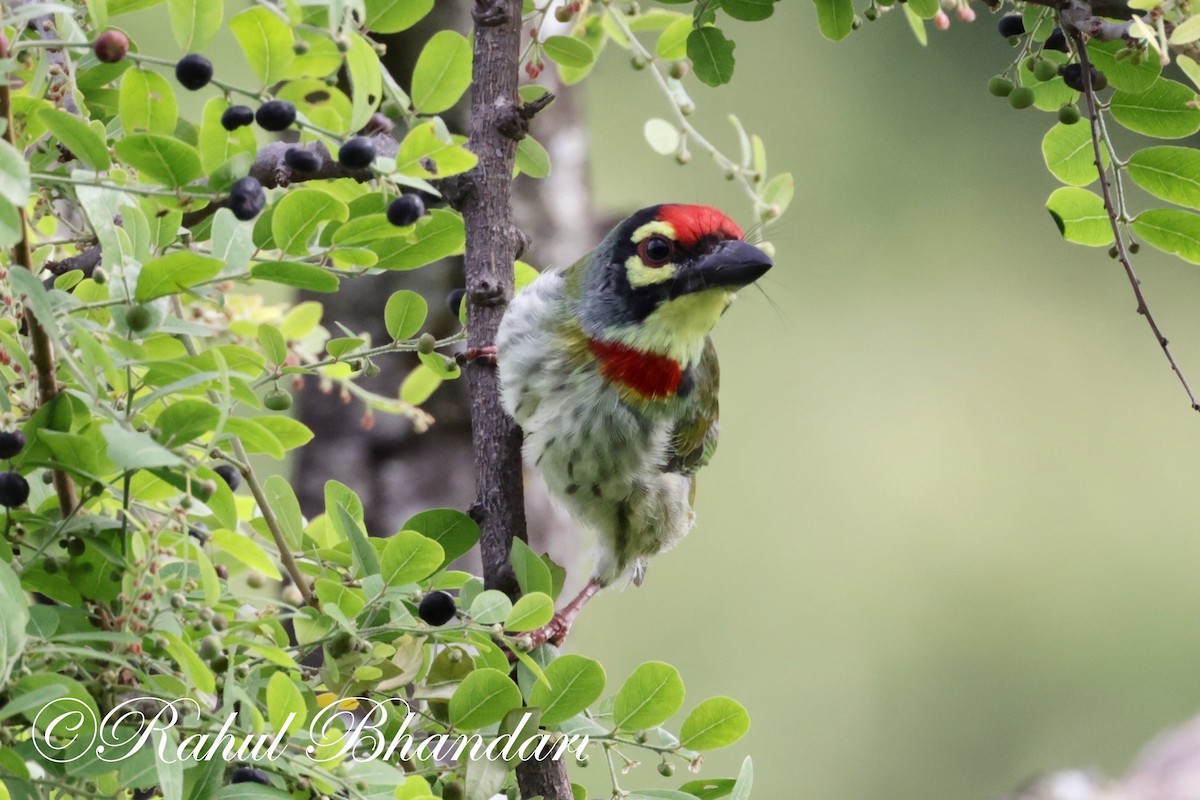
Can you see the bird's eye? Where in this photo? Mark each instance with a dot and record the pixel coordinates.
(656, 251)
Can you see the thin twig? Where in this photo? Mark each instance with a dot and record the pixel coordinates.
(1114, 217)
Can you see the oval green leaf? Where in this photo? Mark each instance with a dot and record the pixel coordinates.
(717, 722)
(490, 607)
(575, 682)
(835, 18)
(1162, 110)
(1123, 75)
(530, 612)
(1069, 155)
(408, 557)
(78, 137)
(393, 16)
(442, 73)
(162, 159)
(712, 55)
(146, 102)
(482, 699)
(569, 51)
(266, 41)
(173, 273)
(1169, 173)
(1080, 216)
(648, 697)
(298, 215)
(1172, 231)
(404, 314)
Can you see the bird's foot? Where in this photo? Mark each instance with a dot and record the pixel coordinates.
(485, 354)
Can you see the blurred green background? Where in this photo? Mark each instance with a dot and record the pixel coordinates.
(949, 539)
(950, 536)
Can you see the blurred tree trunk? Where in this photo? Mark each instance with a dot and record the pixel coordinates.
(395, 470)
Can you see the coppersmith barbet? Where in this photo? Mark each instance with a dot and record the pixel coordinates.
(608, 367)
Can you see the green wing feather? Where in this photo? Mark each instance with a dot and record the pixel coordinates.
(695, 438)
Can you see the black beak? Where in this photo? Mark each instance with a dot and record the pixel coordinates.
(732, 264)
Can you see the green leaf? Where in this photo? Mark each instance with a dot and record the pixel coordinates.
(916, 25)
(442, 73)
(78, 137)
(835, 18)
(13, 621)
(1169, 173)
(195, 23)
(482, 699)
(174, 272)
(419, 385)
(1069, 154)
(1172, 231)
(452, 529)
(531, 572)
(365, 557)
(1123, 75)
(575, 682)
(130, 450)
(717, 722)
(147, 103)
(366, 80)
(14, 175)
(217, 145)
(425, 143)
(409, 557)
(530, 612)
(712, 55)
(444, 367)
(282, 500)
(745, 781)
(162, 159)
(749, 10)
(301, 276)
(273, 344)
(404, 314)
(291, 433)
(1162, 111)
(191, 664)
(247, 551)
(185, 420)
(489, 607)
(672, 43)
(298, 215)
(532, 158)
(779, 191)
(284, 698)
(393, 16)
(569, 51)
(648, 697)
(438, 235)
(1080, 216)
(266, 41)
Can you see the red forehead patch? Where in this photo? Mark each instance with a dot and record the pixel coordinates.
(693, 223)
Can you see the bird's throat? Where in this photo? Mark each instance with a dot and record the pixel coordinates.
(650, 375)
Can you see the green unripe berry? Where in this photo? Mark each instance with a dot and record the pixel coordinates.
(254, 580)
(872, 13)
(1134, 247)
(666, 769)
(1068, 114)
(426, 344)
(1021, 97)
(138, 318)
(856, 23)
(210, 647)
(679, 69)
(1000, 87)
(453, 791)
(1030, 62)
(277, 400)
(1045, 70)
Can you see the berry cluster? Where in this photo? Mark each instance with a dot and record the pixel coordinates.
(1043, 69)
(14, 489)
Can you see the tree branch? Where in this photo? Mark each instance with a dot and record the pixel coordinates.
(43, 350)
(1113, 216)
(492, 243)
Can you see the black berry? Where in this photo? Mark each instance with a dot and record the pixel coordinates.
(454, 301)
(302, 160)
(76, 546)
(406, 210)
(237, 117)
(436, 608)
(1011, 25)
(194, 71)
(111, 46)
(229, 474)
(358, 153)
(275, 115)
(1057, 41)
(1073, 77)
(11, 443)
(246, 198)
(14, 490)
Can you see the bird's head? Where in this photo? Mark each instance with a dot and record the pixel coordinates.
(662, 278)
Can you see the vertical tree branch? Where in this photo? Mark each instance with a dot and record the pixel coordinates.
(486, 206)
(43, 351)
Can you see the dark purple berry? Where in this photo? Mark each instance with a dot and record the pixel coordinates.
(1057, 41)
(454, 301)
(1011, 25)
(229, 474)
(406, 210)
(14, 489)
(249, 775)
(1072, 75)
(302, 160)
(237, 117)
(436, 608)
(358, 153)
(11, 443)
(194, 71)
(275, 115)
(111, 46)
(246, 198)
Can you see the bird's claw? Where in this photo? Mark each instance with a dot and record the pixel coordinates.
(553, 632)
(486, 355)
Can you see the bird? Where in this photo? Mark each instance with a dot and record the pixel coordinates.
(609, 369)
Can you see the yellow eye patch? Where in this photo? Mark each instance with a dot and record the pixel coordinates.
(637, 272)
